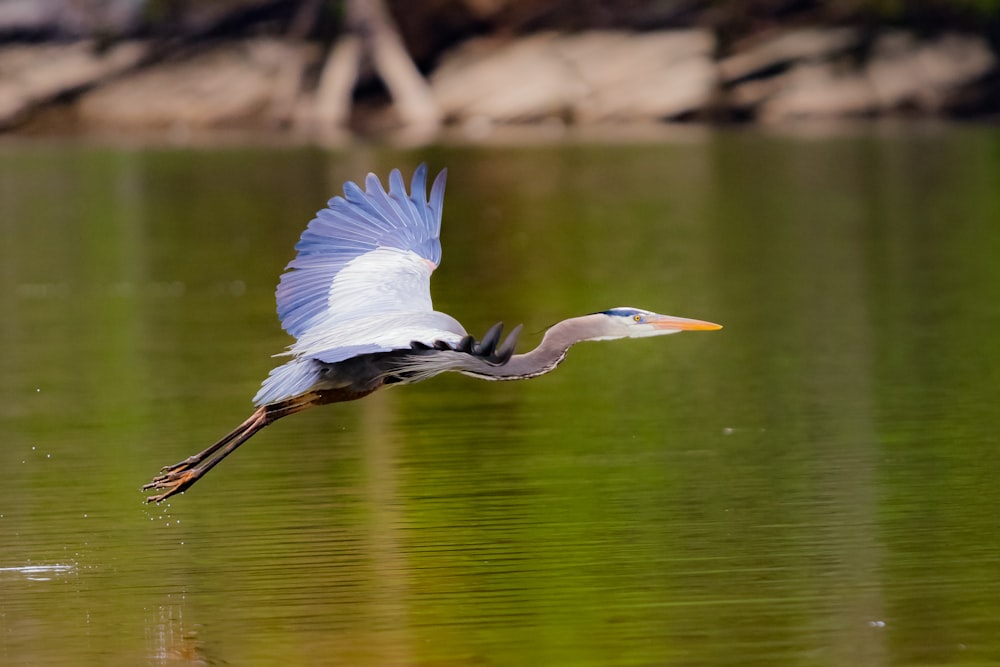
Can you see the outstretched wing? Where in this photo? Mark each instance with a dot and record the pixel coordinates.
(369, 255)
(367, 245)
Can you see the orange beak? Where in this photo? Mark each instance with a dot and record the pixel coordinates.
(682, 323)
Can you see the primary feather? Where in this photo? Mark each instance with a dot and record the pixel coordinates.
(351, 227)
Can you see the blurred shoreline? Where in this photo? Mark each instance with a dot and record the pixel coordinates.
(550, 84)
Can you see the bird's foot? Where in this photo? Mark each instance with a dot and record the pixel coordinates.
(180, 466)
(172, 483)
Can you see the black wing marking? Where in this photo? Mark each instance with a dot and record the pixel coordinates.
(487, 349)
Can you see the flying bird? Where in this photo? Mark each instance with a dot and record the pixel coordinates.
(357, 300)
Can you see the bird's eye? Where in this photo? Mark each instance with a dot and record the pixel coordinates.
(637, 318)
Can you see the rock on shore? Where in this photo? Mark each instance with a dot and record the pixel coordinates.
(226, 85)
(823, 78)
(32, 75)
(589, 77)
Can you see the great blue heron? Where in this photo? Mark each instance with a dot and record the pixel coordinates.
(357, 300)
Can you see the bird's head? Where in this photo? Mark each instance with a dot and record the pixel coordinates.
(627, 322)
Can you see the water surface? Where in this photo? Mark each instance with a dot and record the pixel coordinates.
(813, 485)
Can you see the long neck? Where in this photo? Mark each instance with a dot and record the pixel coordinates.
(539, 361)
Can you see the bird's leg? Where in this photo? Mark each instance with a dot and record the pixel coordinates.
(250, 424)
(180, 476)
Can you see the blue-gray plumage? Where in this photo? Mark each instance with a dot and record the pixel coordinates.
(356, 298)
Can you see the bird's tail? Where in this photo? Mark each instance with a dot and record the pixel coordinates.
(290, 379)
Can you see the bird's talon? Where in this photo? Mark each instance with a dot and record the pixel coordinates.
(157, 498)
(156, 483)
(172, 482)
(180, 465)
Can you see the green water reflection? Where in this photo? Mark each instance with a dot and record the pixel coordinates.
(813, 485)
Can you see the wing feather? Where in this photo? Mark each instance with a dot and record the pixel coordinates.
(369, 255)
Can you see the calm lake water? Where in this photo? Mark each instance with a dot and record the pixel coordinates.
(816, 484)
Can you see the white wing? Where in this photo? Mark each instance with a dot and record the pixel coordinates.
(361, 280)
